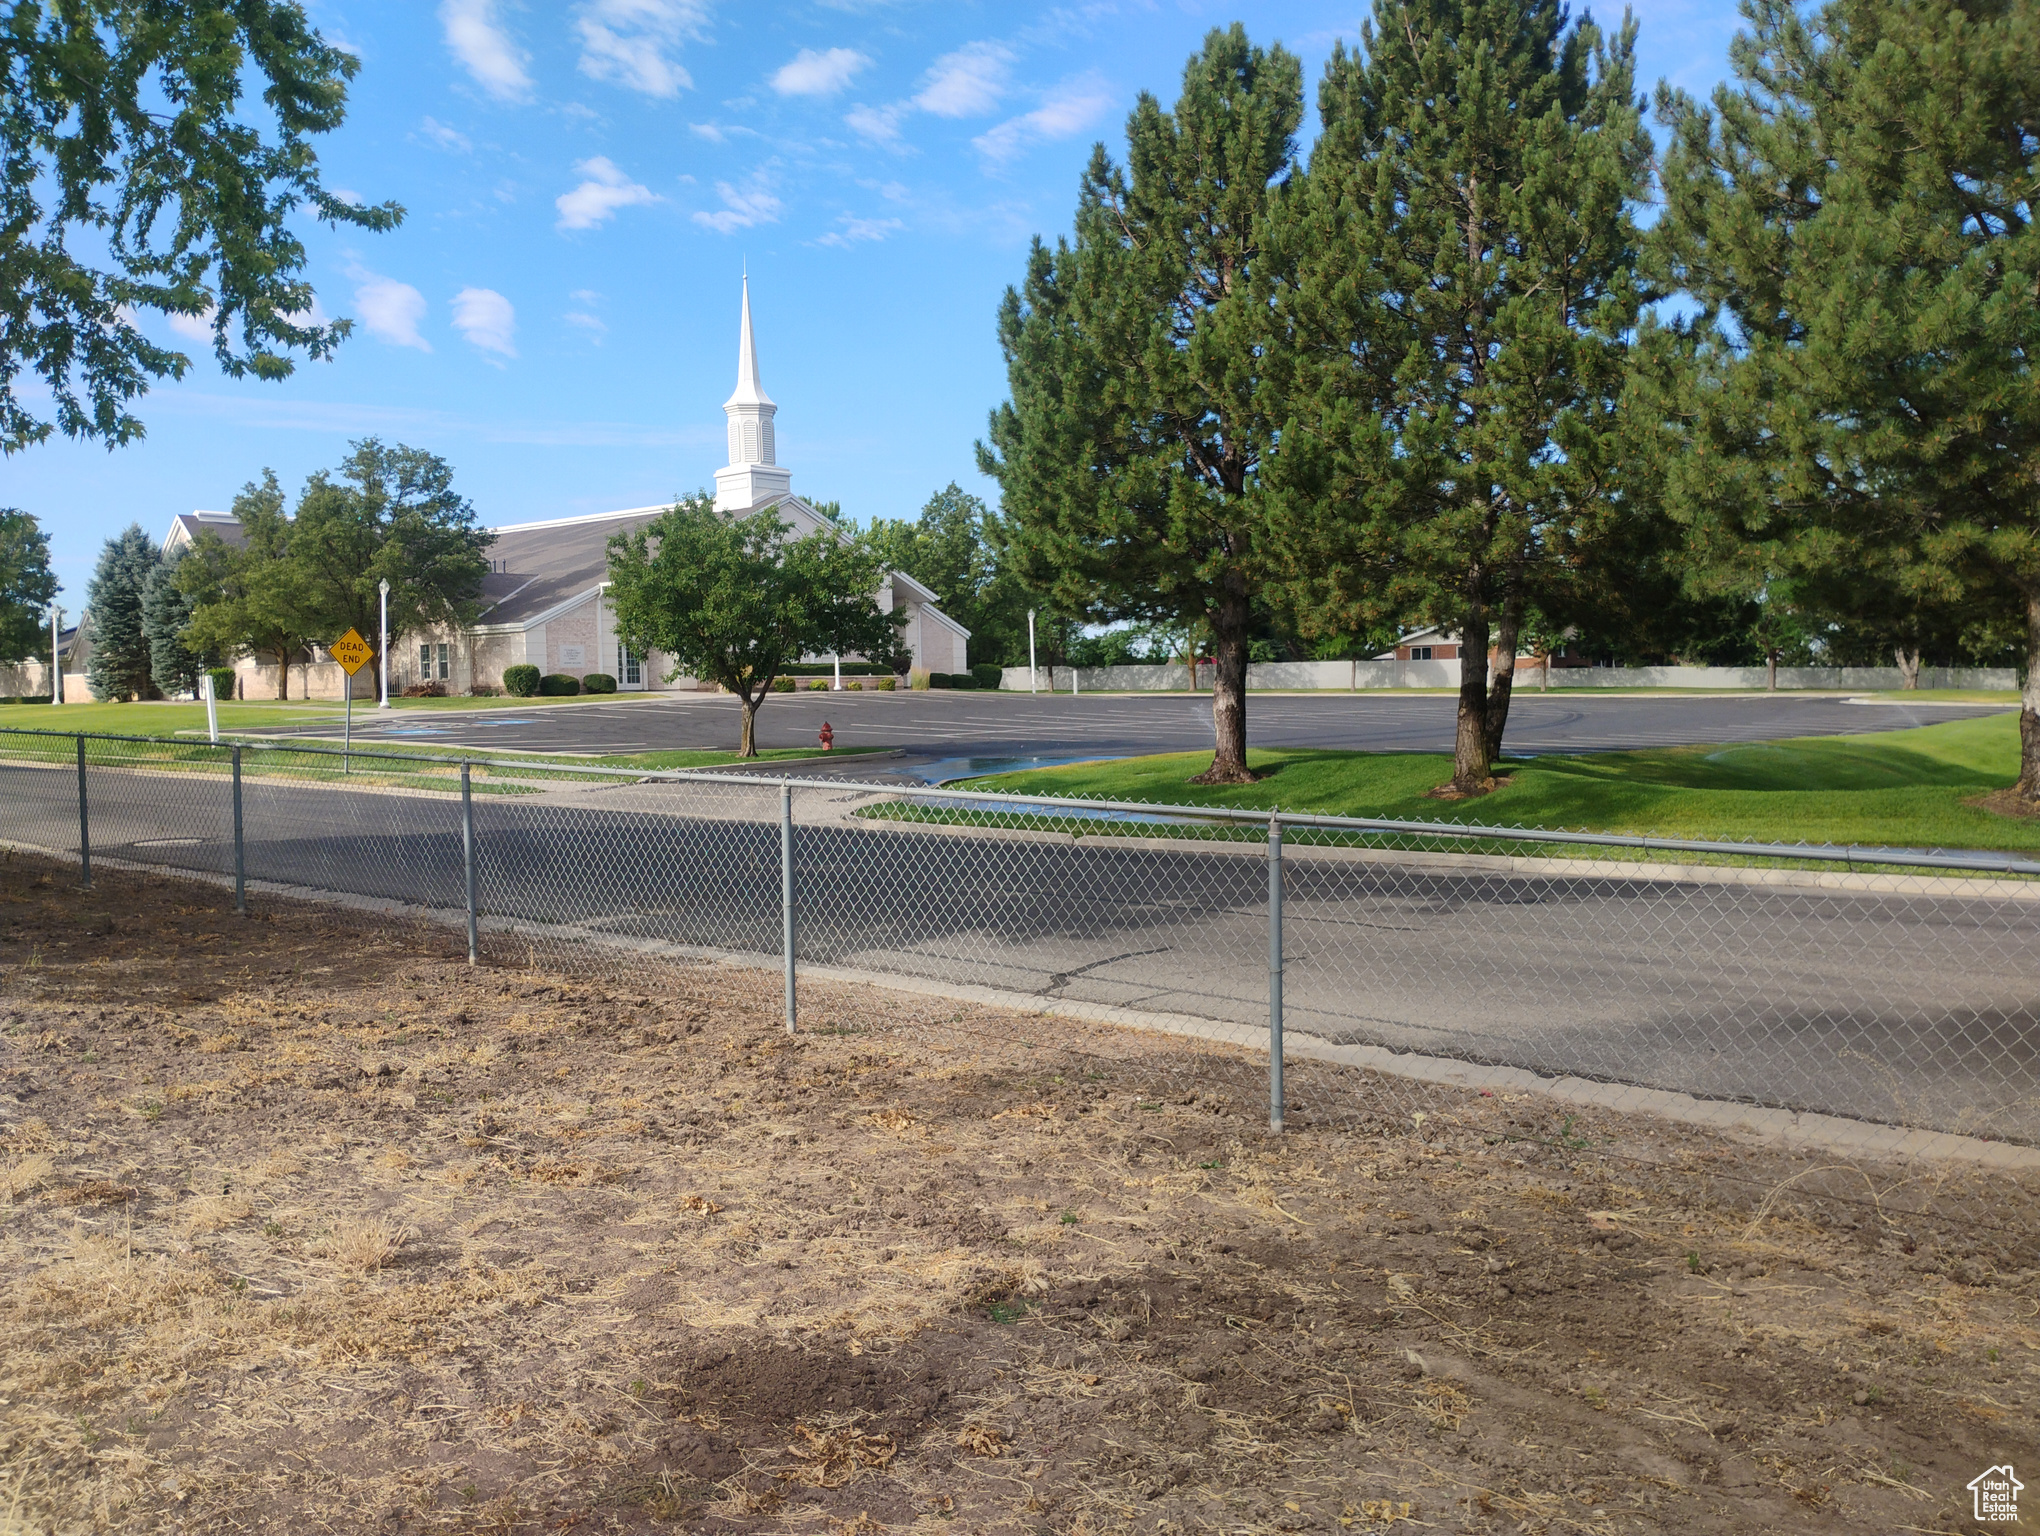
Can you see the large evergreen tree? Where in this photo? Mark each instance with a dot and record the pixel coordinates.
(1463, 254)
(166, 614)
(1129, 453)
(119, 668)
(27, 586)
(1855, 215)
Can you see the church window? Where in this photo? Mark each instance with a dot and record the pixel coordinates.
(750, 442)
(766, 428)
(736, 442)
(629, 667)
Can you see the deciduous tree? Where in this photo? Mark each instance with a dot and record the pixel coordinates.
(123, 128)
(249, 599)
(27, 586)
(388, 514)
(738, 601)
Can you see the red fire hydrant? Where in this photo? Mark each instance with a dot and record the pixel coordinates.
(828, 738)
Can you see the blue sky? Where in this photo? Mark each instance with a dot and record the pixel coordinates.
(584, 182)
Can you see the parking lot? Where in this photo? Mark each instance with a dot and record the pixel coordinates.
(938, 733)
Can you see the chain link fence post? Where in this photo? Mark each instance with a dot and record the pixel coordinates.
(1274, 975)
(786, 892)
(84, 823)
(240, 845)
(467, 855)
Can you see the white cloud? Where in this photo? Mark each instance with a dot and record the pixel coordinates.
(629, 41)
(487, 319)
(587, 322)
(743, 207)
(880, 125)
(196, 327)
(818, 74)
(967, 82)
(484, 48)
(445, 137)
(709, 131)
(604, 190)
(855, 229)
(1071, 109)
(391, 310)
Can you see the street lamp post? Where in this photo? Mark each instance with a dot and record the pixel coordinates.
(1033, 677)
(56, 655)
(383, 651)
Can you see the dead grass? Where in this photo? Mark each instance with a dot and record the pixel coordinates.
(431, 1250)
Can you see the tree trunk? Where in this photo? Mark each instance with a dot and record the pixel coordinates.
(1908, 666)
(1544, 671)
(1469, 748)
(1229, 689)
(747, 745)
(2029, 704)
(283, 677)
(1502, 679)
(1771, 676)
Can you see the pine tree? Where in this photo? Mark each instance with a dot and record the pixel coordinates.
(119, 668)
(166, 614)
(1855, 216)
(1129, 452)
(1464, 258)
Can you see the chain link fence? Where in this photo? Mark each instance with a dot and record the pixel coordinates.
(1874, 1013)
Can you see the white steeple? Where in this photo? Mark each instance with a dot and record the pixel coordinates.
(752, 474)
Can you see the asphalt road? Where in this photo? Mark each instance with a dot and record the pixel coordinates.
(1918, 1009)
(944, 733)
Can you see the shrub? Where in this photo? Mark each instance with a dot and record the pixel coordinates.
(433, 690)
(819, 685)
(521, 681)
(921, 677)
(598, 682)
(223, 680)
(558, 685)
(26, 698)
(782, 685)
(988, 674)
(882, 684)
(483, 691)
(856, 687)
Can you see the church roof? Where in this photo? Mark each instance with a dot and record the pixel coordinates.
(535, 567)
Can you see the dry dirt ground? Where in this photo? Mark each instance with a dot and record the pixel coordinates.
(305, 1226)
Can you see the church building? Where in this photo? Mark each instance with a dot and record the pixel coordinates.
(544, 602)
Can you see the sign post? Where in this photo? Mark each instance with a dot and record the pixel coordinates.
(352, 652)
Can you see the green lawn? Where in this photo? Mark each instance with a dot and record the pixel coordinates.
(167, 719)
(188, 720)
(1897, 788)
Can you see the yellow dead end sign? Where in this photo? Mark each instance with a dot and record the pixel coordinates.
(351, 651)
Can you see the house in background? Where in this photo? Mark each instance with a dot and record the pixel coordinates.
(544, 602)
